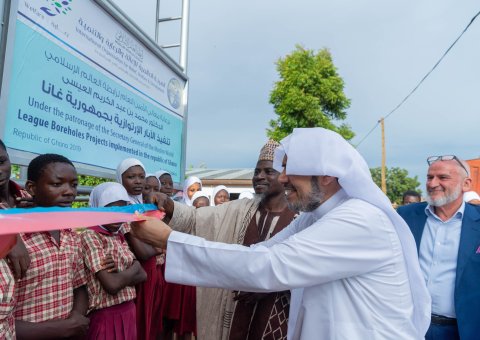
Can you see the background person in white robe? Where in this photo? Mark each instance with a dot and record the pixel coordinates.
(349, 259)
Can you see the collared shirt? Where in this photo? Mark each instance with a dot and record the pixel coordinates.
(46, 292)
(7, 281)
(343, 262)
(438, 259)
(95, 247)
(7, 302)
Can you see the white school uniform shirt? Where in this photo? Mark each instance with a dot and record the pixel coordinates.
(343, 263)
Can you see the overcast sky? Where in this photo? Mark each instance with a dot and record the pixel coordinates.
(381, 49)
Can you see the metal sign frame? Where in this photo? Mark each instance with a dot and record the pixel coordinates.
(6, 64)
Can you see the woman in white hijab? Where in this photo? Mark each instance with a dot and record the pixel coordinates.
(131, 174)
(190, 187)
(220, 195)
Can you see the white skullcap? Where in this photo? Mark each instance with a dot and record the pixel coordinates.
(321, 152)
(106, 193)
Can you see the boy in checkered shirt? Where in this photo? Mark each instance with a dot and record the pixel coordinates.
(52, 298)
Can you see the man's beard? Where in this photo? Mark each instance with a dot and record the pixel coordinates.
(267, 195)
(439, 202)
(263, 196)
(310, 203)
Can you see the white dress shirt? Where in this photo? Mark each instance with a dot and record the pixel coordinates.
(343, 263)
(438, 255)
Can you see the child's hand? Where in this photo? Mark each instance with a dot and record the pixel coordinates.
(77, 326)
(108, 264)
(24, 202)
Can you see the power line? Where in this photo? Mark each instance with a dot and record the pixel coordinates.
(424, 78)
(368, 134)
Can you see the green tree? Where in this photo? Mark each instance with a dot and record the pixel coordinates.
(16, 171)
(90, 181)
(397, 182)
(308, 94)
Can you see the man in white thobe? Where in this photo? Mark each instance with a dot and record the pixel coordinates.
(349, 259)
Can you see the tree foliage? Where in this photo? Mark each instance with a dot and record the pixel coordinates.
(308, 94)
(15, 171)
(397, 182)
(90, 181)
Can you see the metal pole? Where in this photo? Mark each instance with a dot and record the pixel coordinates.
(183, 64)
(184, 35)
(157, 18)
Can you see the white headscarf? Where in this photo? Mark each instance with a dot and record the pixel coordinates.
(107, 193)
(198, 194)
(160, 173)
(216, 190)
(124, 166)
(321, 152)
(188, 182)
(154, 176)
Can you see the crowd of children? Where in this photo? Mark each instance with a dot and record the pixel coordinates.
(98, 283)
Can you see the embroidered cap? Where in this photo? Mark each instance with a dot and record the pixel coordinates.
(268, 150)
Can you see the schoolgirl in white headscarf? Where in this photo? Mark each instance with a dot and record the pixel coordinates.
(135, 197)
(216, 190)
(167, 186)
(108, 319)
(107, 193)
(186, 185)
(199, 194)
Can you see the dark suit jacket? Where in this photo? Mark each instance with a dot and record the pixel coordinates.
(467, 282)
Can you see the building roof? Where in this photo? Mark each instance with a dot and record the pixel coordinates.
(222, 176)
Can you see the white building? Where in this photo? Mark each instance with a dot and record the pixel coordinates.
(236, 180)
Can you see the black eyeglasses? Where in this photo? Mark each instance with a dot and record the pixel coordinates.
(433, 159)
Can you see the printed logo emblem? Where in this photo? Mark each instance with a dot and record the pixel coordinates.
(56, 7)
(174, 92)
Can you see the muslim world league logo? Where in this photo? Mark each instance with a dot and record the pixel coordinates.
(56, 7)
(174, 91)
